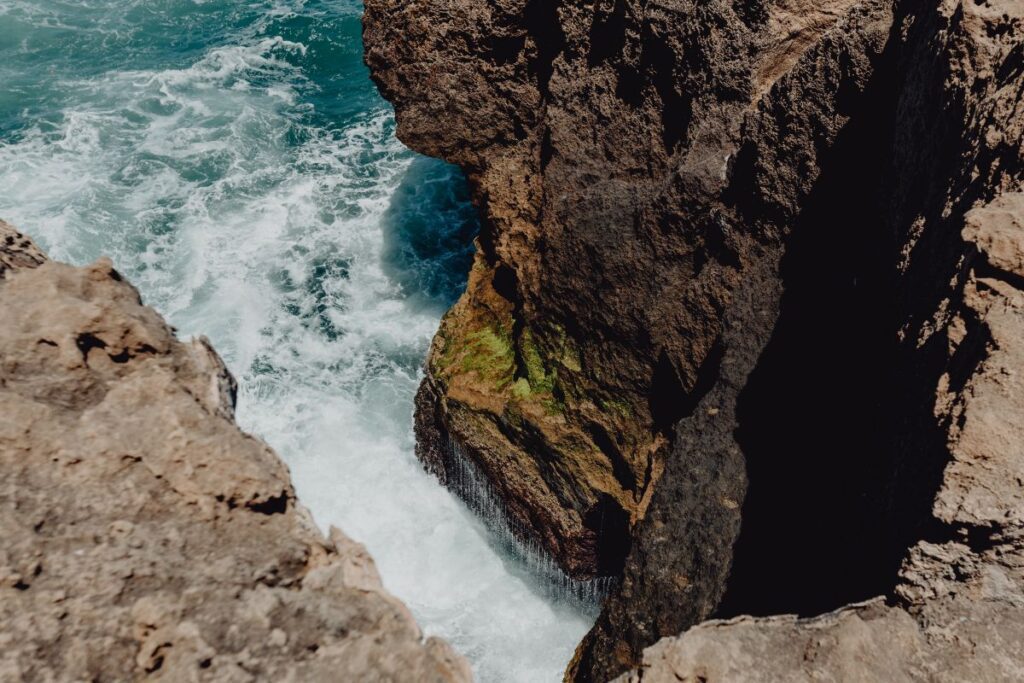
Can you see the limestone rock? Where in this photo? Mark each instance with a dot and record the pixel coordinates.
(147, 537)
(869, 643)
(861, 643)
(18, 250)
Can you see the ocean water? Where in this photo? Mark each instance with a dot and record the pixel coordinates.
(236, 162)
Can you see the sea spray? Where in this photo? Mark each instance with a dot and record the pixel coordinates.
(465, 479)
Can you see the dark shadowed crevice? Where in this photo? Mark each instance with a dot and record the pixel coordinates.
(937, 270)
(607, 34)
(669, 400)
(984, 269)
(86, 342)
(610, 524)
(815, 420)
(620, 468)
(275, 505)
(667, 394)
(504, 281)
(547, 150)
(502, 50)
(544, 27)
(123, 357)
(658, 60)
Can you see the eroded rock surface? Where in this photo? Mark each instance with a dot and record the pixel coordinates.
(612, 147)
(144, 535)
(957, 610)
(954, 639)
(730, 335)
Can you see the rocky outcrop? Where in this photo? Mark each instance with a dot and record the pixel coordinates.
(868, 642)
(617, 151)
(144, 535)
(740, 276)
(957, 610)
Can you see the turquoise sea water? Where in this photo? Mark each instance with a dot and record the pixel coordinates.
(236, 162)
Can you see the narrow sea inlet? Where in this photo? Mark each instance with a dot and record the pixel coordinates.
(236, 162)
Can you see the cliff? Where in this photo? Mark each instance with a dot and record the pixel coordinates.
(740, 327)
(144, 535)
(956, 612)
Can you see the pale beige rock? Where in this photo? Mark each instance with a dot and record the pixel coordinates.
(17, 250)
(996, 229)
(954, 641)
(144, 535)
(867, 642)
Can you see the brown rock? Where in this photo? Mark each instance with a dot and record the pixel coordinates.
(145, 536)
(595, 317)
(739, 327)
(959, 593)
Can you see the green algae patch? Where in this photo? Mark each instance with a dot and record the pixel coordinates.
(552, 406)
(521, 388)
(568, 354)
(570, 358)
(612, 405)
(486, 352)
(541, 381)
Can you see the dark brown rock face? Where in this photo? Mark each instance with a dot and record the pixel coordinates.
(144, 536)
(736, 281)
(596, 313)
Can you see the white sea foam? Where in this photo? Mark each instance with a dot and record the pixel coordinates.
(277, 252)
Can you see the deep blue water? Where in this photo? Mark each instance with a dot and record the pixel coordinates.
(236, 162)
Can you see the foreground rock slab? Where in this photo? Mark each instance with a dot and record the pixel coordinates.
(956, 640)
(145, 536)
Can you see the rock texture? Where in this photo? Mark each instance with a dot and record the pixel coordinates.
(740, 325)
(860, 643)
(638, 167)
(144, 535)
(957, 610)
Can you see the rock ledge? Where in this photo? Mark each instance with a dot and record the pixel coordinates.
(144, 535)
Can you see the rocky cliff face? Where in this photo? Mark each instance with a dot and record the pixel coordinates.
(144, 535)
(956, 612)
(617, 152)
(736, 328)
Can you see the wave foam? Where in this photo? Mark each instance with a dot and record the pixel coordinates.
(242, 216)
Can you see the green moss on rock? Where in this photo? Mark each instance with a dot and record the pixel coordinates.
(487, 352)
(541, 381)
